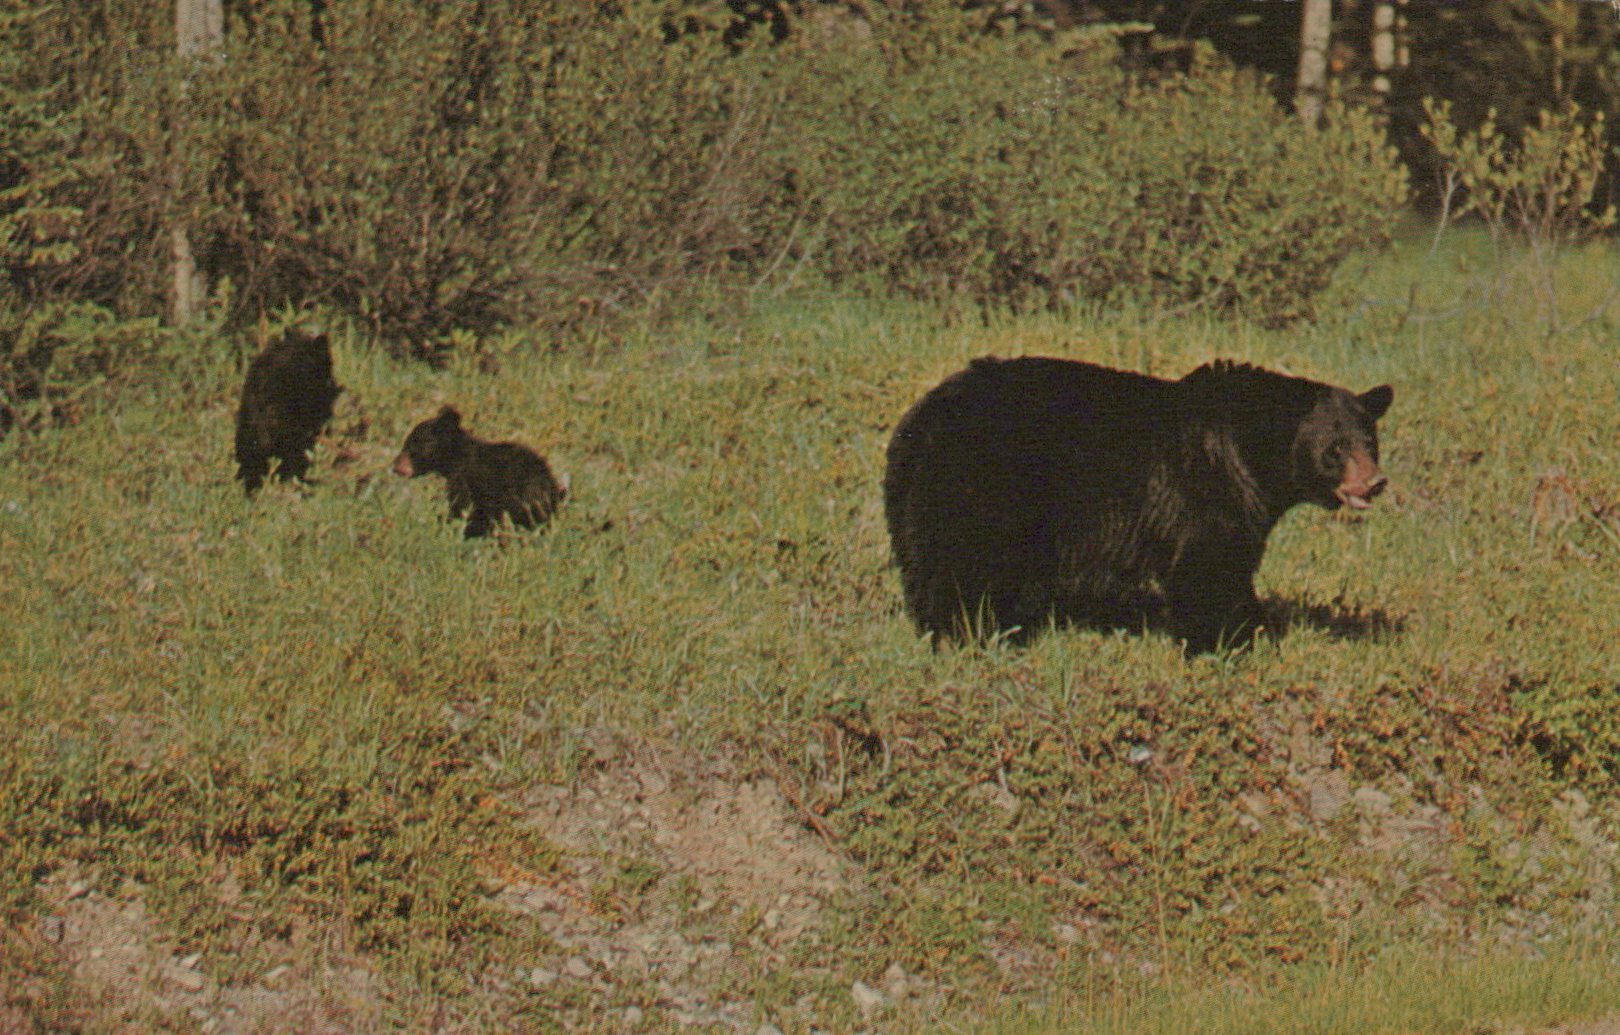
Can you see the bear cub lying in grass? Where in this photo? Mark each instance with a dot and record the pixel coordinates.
(1028, 490)
(492, 480)
(286, 400)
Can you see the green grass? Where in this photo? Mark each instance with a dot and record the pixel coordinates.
(330, 696)
(1400, 993)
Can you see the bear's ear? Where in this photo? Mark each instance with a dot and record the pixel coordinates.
(449, 416)
(1376, 400)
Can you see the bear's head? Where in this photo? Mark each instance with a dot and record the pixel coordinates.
(433, 446)
(1334, 459)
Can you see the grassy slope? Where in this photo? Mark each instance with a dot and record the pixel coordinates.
(328, 695)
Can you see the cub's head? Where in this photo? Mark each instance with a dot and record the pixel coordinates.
(1334, 458)
(432, 446)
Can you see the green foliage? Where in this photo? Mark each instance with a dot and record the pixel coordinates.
(474, 172)
(1538, 192)
(1541, 189)
(54, 341)
(1018, 172)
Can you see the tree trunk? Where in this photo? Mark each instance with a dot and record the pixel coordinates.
(199, 28)
(1403, 53)
(1315, 26)
(1383, 45)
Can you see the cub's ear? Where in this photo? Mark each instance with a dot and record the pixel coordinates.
(1376, 400)
(448, 415)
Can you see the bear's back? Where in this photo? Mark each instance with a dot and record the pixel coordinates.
(1037, 417)
(507, 474)
(291, 381)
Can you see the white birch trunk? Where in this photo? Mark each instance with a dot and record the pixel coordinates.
(199, 31)
(1383, 45)
(1315, 26)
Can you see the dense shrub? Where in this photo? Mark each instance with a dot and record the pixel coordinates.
(427, 168)
(1011, 173)
(480, 167)
(69, 240)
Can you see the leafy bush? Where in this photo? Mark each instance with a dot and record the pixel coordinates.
(478, 169)
(429, 169)
(1012, 171)
(1539, 192)
(56, 331)
(1542, 189)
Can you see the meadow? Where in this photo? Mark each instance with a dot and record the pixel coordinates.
(315, 755)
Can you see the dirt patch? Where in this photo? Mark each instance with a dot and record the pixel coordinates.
(116, 960)
(684, 882)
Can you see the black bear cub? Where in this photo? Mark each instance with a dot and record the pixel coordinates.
(1027, 490)
(490, 479)
(286, 400)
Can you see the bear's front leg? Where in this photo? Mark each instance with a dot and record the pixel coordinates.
(1211, 599)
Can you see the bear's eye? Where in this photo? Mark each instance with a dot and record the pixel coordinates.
(1334, 454)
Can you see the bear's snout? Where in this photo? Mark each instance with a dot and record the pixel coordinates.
(1361, 482)
(402, 466)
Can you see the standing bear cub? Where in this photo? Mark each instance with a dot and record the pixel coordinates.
(286, 400)
(1026, 490)
(491, 479)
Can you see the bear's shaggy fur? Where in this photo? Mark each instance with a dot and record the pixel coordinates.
(286, 400)
(1026, 490)
(491, 479)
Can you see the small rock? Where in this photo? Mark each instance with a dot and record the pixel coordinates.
(895, 981)
(1068, 934)
(1329, 792)
(53, 929)
(275, 973)
(190, 962)
(633, 1015)
(999, 797)
(768, 1029)
(540, 977)
(1141, 754)
(78, 889)
(867, 999)
(188, 980)
(576, 967)
(1373, 801)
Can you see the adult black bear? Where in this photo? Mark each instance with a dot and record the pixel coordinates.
(491, 479)
(286, 400)
(1023, 490)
